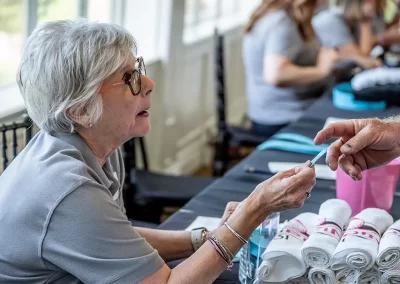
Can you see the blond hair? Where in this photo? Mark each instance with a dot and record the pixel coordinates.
(265, 7)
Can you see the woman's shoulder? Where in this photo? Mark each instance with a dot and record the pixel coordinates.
(275, 19)
(328, 17)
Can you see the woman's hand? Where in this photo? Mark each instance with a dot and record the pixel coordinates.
(369, 62)
(229, 209)
(285, 190)
(363, 144)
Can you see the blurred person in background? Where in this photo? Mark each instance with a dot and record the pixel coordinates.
(284, 65)
(353, 27)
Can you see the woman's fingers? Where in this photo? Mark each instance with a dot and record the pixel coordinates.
(304, 176)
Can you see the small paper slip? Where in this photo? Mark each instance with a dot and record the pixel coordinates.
(330, 120)
(321, 171)
(210, 223)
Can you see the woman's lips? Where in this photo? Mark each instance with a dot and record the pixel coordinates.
(143, 114)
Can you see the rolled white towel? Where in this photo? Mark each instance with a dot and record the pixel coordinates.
(319, 248)
(348, 275)
(391, 276)
(282, 258)
(358, 247)
(321, 275)
(264, 270)
(300, 280)
(371, 276)
(389, 248)
(258, 281)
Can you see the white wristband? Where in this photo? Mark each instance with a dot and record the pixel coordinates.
(198, 237)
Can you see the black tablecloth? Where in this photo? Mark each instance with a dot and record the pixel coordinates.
(237, 185)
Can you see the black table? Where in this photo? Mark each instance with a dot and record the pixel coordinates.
(237, 185)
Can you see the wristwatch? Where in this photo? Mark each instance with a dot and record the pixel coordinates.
(198, 237)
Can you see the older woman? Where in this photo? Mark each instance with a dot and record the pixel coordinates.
(61, 210)
(352, 27)
(285, 68)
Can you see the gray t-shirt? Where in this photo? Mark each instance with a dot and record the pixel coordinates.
(333, 30)
(62, 218)
(277, 34)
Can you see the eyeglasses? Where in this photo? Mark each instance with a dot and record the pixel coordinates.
(133, 79)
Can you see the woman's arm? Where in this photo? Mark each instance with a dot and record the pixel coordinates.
(351, 52)
(366, 38)
(170, 244)
(173, 245)
(283, 191)
(206, 264)
(281, 72)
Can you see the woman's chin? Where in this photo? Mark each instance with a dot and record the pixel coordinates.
(143, 128)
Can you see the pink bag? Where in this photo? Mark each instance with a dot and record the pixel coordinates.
(375, 190)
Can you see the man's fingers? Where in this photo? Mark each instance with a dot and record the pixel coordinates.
(333, 154)
(333, 130)
(358, 142)
(346, 163)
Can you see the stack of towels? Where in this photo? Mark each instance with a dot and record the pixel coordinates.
(317, 249)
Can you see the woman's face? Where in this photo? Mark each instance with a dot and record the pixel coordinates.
(303, 10)
(124, 115)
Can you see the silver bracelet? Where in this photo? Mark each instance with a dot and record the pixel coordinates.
(243, 240)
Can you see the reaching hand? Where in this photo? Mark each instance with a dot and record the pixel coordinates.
(363, 144)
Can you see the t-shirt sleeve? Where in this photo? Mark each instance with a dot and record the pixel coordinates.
(89, 237)
(332, 30)
(284, 40)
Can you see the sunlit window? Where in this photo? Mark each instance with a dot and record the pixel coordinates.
(207, 9)
(50, 10)
(228, 7)
(11, 39)
(99, 10)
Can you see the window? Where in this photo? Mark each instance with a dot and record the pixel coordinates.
(142, 19)
(99, 10)
(228, 7)
(203, 16)
(11, 39)
(50, 10)
(207, 9)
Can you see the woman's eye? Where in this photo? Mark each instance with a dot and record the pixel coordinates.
(127, 77)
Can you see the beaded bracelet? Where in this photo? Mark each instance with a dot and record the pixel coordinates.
(222, 250)
(243, 240)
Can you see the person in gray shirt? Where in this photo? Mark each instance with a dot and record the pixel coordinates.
(62, 216)
(285, 68)
(353, 28)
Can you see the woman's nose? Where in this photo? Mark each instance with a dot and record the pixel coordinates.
(147, 85)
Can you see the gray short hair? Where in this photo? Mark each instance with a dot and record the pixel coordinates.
(63, 66)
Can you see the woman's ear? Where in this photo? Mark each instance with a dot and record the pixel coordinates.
(81, 119)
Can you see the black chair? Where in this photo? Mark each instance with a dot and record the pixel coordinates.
(9, 134)
(148, 193)
(228, 137)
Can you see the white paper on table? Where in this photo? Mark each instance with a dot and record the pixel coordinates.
(210, 223)
(321, 171)
(330, 120)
